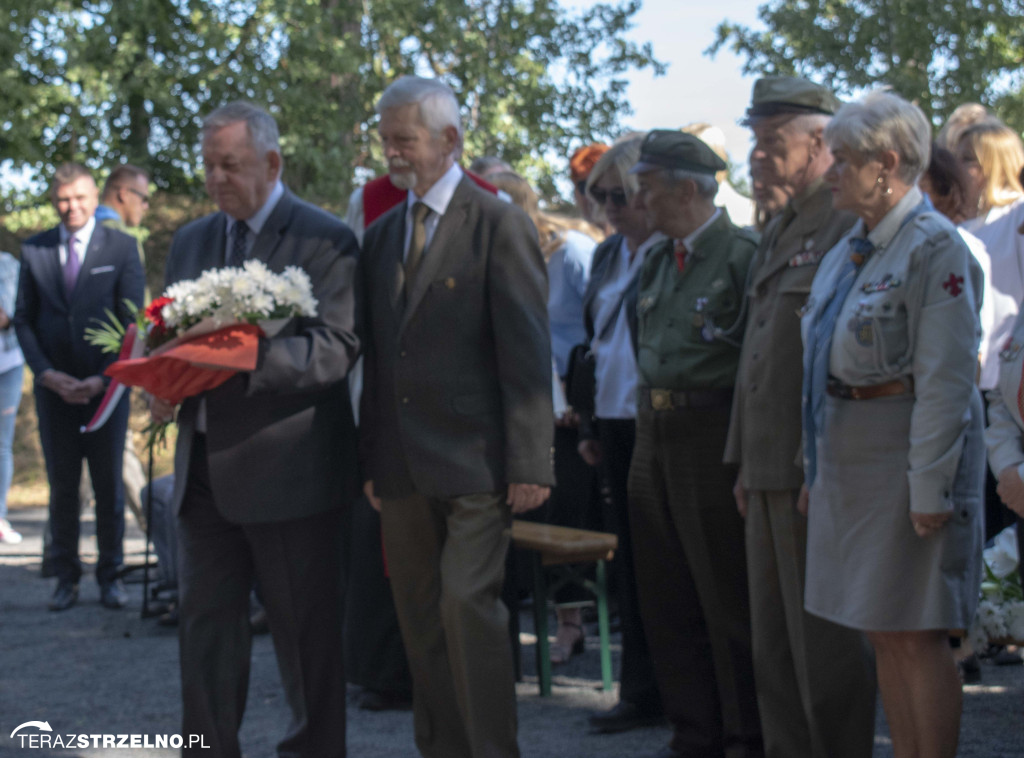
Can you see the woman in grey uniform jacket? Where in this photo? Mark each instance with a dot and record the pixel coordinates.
(894, 457)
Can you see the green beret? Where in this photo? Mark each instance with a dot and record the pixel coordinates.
(777, 95)
(667, 148)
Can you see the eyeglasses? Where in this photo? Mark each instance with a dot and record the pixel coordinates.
(617, 196)
(142, 196)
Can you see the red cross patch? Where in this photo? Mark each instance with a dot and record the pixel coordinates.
(954, 284)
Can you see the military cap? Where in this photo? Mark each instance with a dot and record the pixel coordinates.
(669, 149)
(777, 95)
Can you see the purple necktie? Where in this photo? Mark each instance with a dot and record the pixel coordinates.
(71, 267)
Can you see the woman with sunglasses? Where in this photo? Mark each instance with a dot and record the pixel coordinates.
(607, 439)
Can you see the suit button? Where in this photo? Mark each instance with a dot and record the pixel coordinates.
(753, 388)
(760, 322)
(755, 356)
(402, 354)
(405, 401)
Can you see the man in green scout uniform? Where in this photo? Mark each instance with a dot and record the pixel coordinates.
(687, 536)
(815, 679)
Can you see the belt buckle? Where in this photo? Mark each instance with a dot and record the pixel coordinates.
(661, 400)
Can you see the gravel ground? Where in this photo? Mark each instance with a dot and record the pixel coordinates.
(94, 671)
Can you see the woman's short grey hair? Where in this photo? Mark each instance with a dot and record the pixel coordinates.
(618, 160)
(884, 121)
(439, 108)
(707, 185)
(260, 125)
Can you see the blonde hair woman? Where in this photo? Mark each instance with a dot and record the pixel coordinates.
(992, 157)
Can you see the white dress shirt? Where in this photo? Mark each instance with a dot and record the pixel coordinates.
(82, 238)
(254, 222)
(437, 199)
(615, 371)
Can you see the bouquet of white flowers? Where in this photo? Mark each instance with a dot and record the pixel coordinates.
(221, 296)
(1000, 615)
(200, 332)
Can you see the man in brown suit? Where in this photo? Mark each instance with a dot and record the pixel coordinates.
(456, 416)
(815, 681)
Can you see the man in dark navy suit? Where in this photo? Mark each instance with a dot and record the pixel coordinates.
(71, 276)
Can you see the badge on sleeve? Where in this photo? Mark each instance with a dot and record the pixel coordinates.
(954, 284)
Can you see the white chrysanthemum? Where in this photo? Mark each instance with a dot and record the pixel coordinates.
(1013, 617)
(228, 295)
(991, 619)
(1002, 557)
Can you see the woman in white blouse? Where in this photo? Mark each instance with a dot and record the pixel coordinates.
(992, 156)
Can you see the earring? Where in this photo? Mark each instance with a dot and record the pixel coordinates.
(886, 189)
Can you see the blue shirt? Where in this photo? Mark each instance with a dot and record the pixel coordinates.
(568, 274)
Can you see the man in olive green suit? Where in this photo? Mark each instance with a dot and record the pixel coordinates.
(687, 536)
(815, 679)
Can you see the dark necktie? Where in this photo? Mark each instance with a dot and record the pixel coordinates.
(239, 234)
(71, 267)
(417, 242)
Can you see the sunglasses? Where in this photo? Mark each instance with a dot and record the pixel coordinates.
(601, 196)
(143, 197)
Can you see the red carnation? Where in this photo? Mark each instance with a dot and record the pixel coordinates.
(154, 311)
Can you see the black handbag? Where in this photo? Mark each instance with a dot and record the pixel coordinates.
(580, 383)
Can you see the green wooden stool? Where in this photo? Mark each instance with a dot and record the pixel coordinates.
(566, 553)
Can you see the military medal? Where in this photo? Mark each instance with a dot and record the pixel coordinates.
(887, 282)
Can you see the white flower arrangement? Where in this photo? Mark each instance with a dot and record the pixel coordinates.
(1000, 615)
(229, 295)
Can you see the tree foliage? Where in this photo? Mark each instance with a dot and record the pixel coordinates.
(938, 53)
(106, 81)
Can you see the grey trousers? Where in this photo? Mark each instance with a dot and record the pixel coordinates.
(815, 679)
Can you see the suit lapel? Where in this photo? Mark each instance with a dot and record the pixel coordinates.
(603, 256)
(211, 253)
(269, 238)
(96, 255)
(52, 271)
(440, 247)
(392, 265)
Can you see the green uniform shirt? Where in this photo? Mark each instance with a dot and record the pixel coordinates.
(679, 315)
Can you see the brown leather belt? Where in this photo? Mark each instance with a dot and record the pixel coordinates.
(649, 398)
(896, 387)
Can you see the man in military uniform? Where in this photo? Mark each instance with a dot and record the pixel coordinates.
(687, 537)
(815, 679)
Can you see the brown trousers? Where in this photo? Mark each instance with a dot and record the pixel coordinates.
(815, 679)
(692, 580)
(447, 564)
